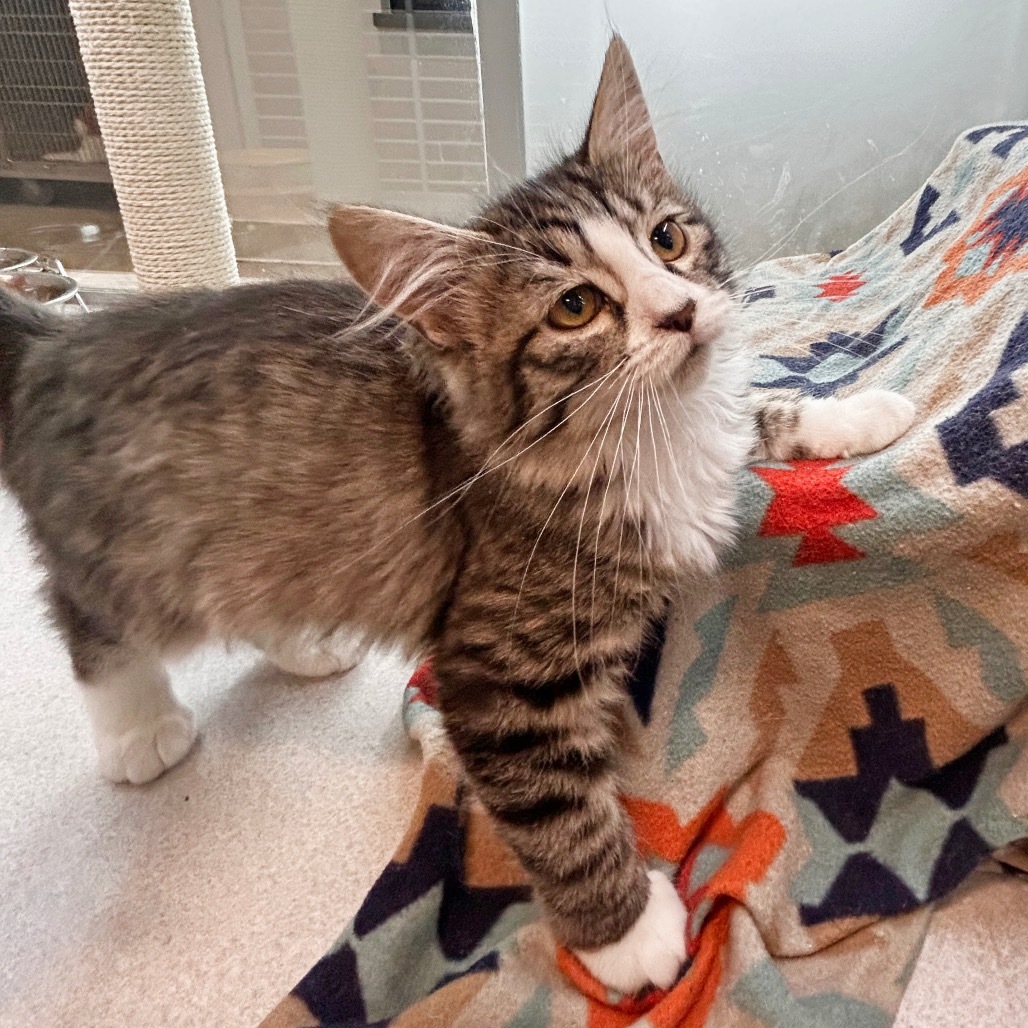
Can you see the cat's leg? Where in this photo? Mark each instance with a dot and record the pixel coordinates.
(315, 655)
(139, 726)
(542, 759)
(800, 427)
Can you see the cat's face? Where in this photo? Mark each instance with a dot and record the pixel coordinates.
(569, 297)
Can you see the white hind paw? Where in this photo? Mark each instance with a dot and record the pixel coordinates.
(862, 423)
(651, 952)
(147, 749)
(311, 656)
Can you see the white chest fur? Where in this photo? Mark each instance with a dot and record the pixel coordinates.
(687, 448)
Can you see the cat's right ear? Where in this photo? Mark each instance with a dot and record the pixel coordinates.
(620, 121)
(405, 264)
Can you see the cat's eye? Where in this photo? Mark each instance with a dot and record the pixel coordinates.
(576, 308)
(668, 240)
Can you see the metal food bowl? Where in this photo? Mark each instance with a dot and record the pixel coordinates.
(47, 288)
(40, 278)
(11, 259)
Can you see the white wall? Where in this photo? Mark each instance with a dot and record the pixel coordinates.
(800, 123)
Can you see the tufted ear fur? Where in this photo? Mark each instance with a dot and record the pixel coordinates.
(620, 122)
(408, 265)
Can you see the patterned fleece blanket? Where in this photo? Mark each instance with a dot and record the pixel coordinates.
(836, 728)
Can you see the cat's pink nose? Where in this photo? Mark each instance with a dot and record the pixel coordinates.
(680, 320)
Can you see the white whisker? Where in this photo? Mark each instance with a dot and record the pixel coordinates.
(616, 468)
(609, 419)
(546, 523)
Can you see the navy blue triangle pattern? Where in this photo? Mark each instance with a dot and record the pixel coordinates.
(863, 886)
(973, 445)
(894, 749)
(331, 989)
(466, 912)
(858, 351)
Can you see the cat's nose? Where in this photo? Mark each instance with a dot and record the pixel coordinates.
(680, 320)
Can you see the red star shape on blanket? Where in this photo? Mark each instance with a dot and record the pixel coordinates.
(840, 287)
(810, 500)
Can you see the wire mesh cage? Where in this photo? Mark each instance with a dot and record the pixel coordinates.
(48, 128)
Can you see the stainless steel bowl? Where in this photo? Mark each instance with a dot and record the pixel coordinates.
(11, 258)
(45, 287)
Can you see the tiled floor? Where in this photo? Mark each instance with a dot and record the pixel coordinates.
(199, 899)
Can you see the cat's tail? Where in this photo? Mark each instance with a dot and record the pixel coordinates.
(21, 321)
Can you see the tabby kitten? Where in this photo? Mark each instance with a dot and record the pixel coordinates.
(507, 457)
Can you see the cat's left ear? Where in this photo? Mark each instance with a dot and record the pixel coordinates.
(620, 121)
(409, 265)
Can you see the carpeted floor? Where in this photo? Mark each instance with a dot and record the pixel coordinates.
(199, 900)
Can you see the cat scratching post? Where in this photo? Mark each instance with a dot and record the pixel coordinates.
(144, 74)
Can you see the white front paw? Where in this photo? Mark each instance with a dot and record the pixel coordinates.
(862, 423)
(879, 418)
(147, 749)
(651, 952)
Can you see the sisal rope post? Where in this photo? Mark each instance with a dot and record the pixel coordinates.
(144, 74)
